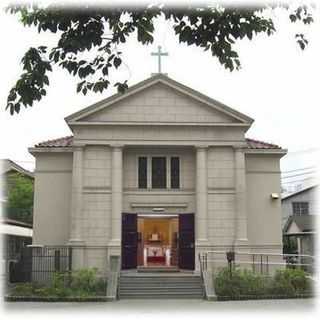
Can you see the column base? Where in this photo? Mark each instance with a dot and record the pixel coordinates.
(201, 246)
(202, 242)
(242, 242)
(76, 243)
(114, 248)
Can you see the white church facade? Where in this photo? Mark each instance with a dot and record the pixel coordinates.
(157, 175)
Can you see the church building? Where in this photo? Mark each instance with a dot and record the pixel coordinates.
(157, 175)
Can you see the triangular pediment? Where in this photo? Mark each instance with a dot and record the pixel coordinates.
(159, 100)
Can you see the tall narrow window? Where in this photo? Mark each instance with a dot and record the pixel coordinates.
(142, 173)
(159, 172)
(175, 173)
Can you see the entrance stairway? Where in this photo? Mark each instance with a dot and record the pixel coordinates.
(160, 286)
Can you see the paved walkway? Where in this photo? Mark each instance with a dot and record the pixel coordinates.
(147, 307)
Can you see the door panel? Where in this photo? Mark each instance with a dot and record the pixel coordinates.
(129, 241)
(186, 241)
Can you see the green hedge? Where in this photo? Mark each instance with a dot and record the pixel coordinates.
(82, 283)
(288, 282)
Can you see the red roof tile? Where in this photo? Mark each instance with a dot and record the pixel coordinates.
(56, 143)
(256, 144)
(67, 142)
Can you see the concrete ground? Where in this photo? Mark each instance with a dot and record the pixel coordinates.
(148, 307)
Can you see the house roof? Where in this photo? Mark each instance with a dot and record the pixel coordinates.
(16, 228)
(298, 192)
(163, 79)
(16, 223)
(68, 141)
(304, 223)
(7, 165)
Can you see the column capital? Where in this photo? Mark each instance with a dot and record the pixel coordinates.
(201, 146)
(117, 146)
(78, 147)
(240, 147)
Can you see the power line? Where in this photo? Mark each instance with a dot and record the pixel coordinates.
(306, 168)
(297, 175)
(296, 181)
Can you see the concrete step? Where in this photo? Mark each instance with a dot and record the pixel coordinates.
(160, 286)
(169, 288)
(165, 295)
(158, 269)
(160, 278)
(160, 281)
(156, 285)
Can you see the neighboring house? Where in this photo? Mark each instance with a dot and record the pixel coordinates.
(299, 211)
(16, 236)
(302, 228)
(15, 232)
(8, 170)
(20, 181)
(157, 175)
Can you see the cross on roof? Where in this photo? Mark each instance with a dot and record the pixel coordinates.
(159, 53)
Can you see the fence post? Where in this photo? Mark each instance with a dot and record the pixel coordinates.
(56, 260)
(70, 265)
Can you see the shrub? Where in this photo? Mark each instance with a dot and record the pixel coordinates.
(23, 289)
(239, 282)
(84, 280)
(288, 282)
(84, 283)
(294, 278)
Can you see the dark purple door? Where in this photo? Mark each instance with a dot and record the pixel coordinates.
(186, 241)
(129, 242)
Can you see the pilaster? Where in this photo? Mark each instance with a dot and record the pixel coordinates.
(201, 195)
(116, 197)
(241, 236)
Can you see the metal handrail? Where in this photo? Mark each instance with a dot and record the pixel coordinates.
(265, 254)
(258, 259)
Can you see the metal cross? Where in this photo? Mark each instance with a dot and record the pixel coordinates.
(159, 54)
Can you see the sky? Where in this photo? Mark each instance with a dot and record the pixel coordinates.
(278, 86)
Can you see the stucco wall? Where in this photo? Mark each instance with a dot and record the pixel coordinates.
(52, 198)
(96, 208)
(264, 213)
(221, 199)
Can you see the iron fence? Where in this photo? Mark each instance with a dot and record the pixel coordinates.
(41, 263)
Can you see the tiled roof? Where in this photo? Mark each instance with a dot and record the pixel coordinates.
(56, 143)
(256, 144)
(67, 142)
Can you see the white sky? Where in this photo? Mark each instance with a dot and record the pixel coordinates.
(278, 86)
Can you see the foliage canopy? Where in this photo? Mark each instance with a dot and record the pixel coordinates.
(101, 30)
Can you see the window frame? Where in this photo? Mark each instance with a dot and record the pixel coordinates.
(301, 209)
(138, 172)
(168, 171)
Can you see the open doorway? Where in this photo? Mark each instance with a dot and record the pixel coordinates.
(157, 241)
(150, 240)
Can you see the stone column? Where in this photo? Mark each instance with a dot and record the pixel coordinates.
(116, 196)
(241, 236)
(201, 215)
(76, 195)
(76, 241)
